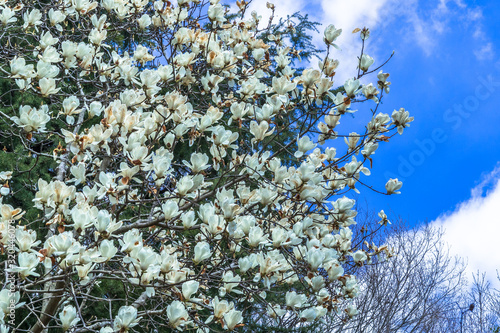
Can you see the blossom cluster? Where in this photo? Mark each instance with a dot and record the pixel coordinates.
(167, 181)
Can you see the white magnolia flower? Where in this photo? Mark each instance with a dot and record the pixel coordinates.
(382, 81)
(8, 300)
(32, 18)
(233, 318)
(216, 13)
(26, 239)
(189, 288)
(144, 21)
(126, 318)
(201, 252)
(401, 119)
(170, 209)
(48, 87)
(56, 17)
(294, 300)
(19, 68)
(31, 119)
(177, 314)
(335, 271)
(393, 185)
(331, 34)
(351, 310)
(351, 87)
(359, 256)
(68, 317)
(309, 315)
(304, 145)
(199, 162)
(46, 40)
(27, 263)
(141, 55)
(7, 16)
(260, 131)
(365, 62)
(370, 92)
(44, 69)
(283, 85)
(384, 218)
(107, 249)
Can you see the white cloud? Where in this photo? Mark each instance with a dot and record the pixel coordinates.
(473, 229)
(348, 16)
(485, 52)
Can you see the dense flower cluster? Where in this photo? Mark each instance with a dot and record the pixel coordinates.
(167, 182)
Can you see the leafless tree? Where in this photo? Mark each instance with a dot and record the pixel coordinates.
(414, 291)
(483, 313)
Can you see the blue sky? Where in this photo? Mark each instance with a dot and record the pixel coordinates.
(446, 72)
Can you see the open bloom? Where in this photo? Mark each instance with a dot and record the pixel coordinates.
(331, 34)
(359, 256)
(351, 87)
(126, 318)
(233, 318)
(189, 288)
(27, 263)
(31, 119)
(177, 314)
(48, 87)
(199, 162)
(260, 131)
(304, 144)
(283, 85)
(68, 317)
(401, 119)
(393, 185)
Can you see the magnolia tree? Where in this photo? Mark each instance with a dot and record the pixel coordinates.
(170, 204)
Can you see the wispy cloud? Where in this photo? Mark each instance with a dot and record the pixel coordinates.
(473, 229)
(485, 52)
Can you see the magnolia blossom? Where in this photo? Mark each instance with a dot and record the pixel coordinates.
(31, 119)
(7, 16)
(401, 119)
(233, 318)
(359, 256)
(393, 185)
(177, 314)
(48, 87)
(189, 288)
(8, 300)
(68, 317)
(27, 263)
(331, 34)
(351, 87)
(304, 144)
(201, 252)
(365, 62)
(126, 318)
(383, 83)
